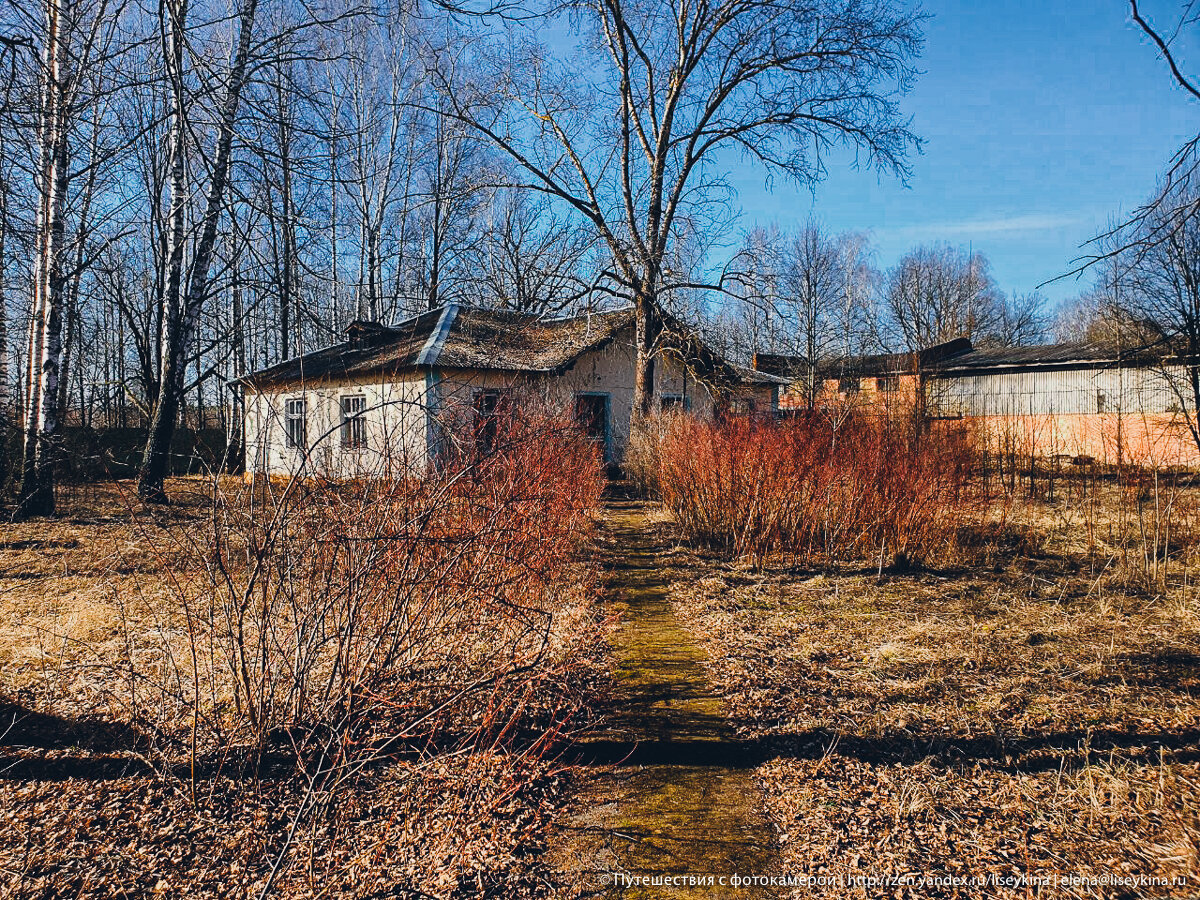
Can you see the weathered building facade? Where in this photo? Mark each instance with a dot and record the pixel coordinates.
(385, 398)
(1078, 400)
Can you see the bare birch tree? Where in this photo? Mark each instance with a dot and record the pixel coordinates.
(807, 294)
(76, 41)
(187, 284)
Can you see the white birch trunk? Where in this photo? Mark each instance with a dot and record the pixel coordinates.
(45, 344)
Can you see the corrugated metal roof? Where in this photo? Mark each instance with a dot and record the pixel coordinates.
(958, 357)
(1049, 356)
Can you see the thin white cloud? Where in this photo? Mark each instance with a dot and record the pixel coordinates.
(984, 228)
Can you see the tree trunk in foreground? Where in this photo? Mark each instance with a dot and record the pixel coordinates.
(36, 497)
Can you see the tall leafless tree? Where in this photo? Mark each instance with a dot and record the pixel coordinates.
(808, 295)
(530, 259)
(187, 285)
(628, 133)
(76, 43)
(1177, 197)
(1158, 298)
(936, 294)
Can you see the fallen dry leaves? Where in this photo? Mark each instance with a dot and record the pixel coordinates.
(1025, 718)
(462, 826)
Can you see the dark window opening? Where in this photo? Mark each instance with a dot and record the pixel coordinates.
(673, 403)
(888, 384)
(354, 426)
(848, 385)
(591, 414)
(488, 408)
(295, 424)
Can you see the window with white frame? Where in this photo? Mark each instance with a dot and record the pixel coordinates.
(673, 403)
(354, 426)
(295, 424)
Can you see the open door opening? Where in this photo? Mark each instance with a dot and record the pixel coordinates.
(592, 414)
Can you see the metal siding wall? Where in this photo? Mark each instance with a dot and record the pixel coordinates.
(1075, 392)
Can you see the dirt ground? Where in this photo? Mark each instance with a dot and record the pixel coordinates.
(996, 729)
(91, 806)
(1023, 721)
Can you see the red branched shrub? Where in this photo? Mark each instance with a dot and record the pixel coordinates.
(866, 489)
(404, 603)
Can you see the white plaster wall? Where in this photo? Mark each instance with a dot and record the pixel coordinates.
(395, 424)
(398, 410)
(608, 370)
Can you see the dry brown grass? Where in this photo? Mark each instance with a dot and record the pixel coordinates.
(1038, 715)
(72, 589)
(98, 794)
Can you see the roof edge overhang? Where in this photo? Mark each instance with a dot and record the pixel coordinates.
(1076, 365)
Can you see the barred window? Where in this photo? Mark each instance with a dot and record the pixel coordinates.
(354, 426)
(295, 424)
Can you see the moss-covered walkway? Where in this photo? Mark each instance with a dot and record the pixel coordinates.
(669, 791)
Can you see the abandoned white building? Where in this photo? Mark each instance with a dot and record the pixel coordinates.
(381, 398)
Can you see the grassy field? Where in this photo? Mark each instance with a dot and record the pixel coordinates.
(1034, 714)
(1027, 707)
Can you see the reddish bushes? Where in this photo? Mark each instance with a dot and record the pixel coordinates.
(868, 489)
(407, 605)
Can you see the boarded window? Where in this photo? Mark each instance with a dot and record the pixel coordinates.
(295, 424)
(354, 426)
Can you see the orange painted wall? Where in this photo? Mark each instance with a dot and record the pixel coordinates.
(1139, 439)
(1130, 438)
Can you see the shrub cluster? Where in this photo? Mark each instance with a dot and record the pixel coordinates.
(405, 609)
(865, 488)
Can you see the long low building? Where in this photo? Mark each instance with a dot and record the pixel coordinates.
(1081, 400)
(386, 396)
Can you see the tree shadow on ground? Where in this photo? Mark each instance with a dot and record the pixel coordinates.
(1070, 748)
(24, 727)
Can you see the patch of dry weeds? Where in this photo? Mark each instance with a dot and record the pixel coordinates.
(96, 800)
(1036, 716)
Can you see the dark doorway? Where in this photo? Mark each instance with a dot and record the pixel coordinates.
(487, 421)
(591, 412)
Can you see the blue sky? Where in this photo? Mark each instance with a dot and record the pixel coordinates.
(1042, 121)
